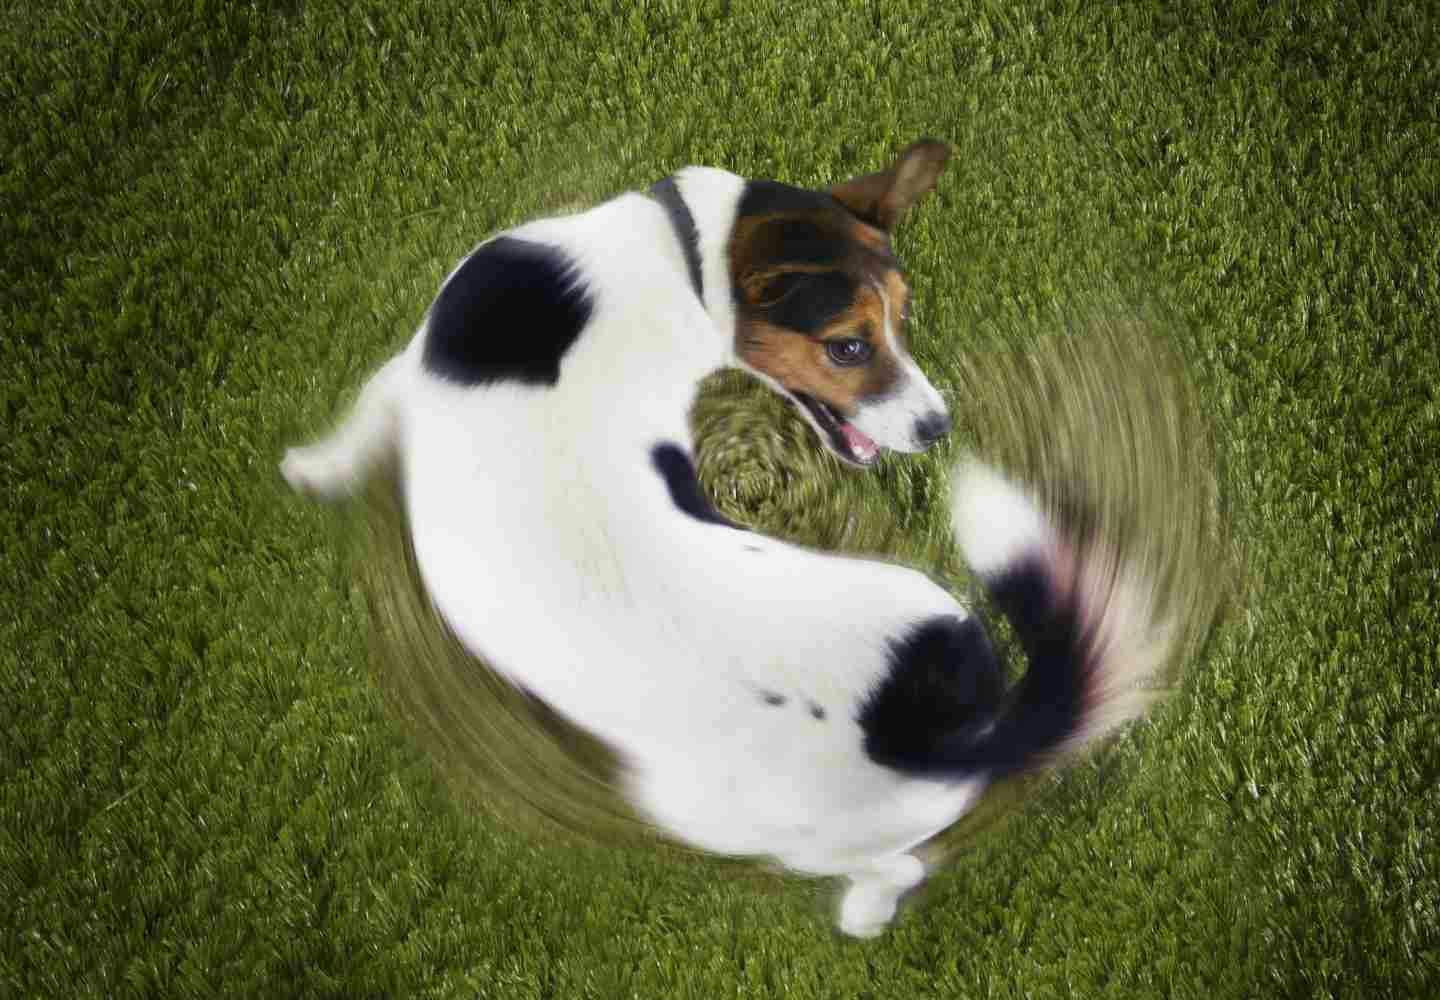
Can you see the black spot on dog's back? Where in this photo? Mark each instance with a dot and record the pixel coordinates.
(676, 469)
(943, 677)
(510, 312)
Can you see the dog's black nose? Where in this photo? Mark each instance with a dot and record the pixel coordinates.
(932, 427)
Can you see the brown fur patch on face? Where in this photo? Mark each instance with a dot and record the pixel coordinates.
(800, 363)
(805, 270)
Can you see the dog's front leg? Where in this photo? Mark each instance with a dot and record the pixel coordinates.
(869, 904)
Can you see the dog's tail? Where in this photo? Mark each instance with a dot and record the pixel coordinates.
(335, 466)
(1084, 620)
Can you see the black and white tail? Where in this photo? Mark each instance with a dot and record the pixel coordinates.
(1085, 621)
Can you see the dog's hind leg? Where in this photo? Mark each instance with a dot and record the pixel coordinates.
(869, 904)
(334, 467)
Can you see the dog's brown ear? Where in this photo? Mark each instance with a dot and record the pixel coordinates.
(884, 198)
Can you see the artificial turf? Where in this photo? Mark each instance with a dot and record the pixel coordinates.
(217, 217)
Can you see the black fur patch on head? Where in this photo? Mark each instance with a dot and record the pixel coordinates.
(943, 677)
(509, 313)
(807, 301)
(800, 258)
(796, 241)
(676, 469)
(774, 198)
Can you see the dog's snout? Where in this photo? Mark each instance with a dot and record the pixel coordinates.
(932, 427)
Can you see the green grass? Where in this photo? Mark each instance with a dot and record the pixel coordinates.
(217, 217)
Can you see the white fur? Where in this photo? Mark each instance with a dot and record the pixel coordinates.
(891, 421)
(552, 548)
(994, 523)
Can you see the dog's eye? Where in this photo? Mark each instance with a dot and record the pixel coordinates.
(849, 351)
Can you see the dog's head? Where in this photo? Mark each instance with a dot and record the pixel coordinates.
(821, 306)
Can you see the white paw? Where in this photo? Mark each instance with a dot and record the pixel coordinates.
(867, 909)
(904, 872)
(313, 473)
(869, 905)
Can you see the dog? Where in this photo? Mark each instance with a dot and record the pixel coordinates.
(829, 713)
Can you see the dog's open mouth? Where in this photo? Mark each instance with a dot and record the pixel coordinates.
(844, 438)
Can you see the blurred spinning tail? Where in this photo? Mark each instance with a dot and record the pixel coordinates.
(1086, 623)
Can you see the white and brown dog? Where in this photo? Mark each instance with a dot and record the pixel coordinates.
(831, 713)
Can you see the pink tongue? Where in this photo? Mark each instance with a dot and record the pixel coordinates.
(860, 445)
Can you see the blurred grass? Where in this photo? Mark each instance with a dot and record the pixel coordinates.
(219, 217)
